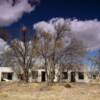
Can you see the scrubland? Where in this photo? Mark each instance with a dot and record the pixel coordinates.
(40, 91)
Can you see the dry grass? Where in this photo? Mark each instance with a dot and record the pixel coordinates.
(37, 91)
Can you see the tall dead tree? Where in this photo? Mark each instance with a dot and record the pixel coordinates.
(56, 47)
(72, 58)
(67, 51)
(95, 61)
(42, 43)
(23, 54)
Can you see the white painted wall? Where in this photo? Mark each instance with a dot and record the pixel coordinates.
(67, 80)
(82, 80)
(8, 70)
(39, 78)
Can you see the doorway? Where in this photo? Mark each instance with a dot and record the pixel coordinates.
(72, 76)
(10, 76)
(43, 77)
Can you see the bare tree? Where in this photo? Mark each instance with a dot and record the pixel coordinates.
(23, 53)
(42, 43)
(6, 59)
(72, 57)
(95, 61)
(4, 55)
(56, 48)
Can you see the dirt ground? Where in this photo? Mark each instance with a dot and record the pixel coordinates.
(37, 91)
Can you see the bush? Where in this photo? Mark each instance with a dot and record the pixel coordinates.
(67, 85)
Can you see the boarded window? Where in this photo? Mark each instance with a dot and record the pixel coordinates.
(34, 74)
(81, 75)
(65, 75)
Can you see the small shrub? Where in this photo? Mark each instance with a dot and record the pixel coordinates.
(67, 85)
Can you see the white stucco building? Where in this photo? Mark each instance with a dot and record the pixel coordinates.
(7, 74)
(39, 75)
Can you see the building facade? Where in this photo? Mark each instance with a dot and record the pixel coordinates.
(7, 74)
(39, 75)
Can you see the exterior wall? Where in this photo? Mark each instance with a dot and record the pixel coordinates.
(8, 70)
(66, 80)
(82, 80)
(77, 77)
(39, 77)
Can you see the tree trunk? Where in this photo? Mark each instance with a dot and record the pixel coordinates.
(26, 76)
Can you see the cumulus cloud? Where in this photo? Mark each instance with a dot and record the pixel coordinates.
(87, 31)
(11, 12)
(44, 27)
(57, 21)
(51, 26)
(3, 46)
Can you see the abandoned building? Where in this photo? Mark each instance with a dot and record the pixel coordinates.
(39, 75)
(7, 74)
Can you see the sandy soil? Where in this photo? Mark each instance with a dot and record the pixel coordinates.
(37, 91)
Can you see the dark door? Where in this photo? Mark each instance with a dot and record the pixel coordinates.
(72, 76)
(10, 76)
(43, 76)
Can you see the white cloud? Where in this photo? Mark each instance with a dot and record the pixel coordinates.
(57, 21)
(88, 31)
(44, 27)
(3, 46)
(51, 26)
(10, 14)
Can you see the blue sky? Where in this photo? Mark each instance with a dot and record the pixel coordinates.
(81, 10)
